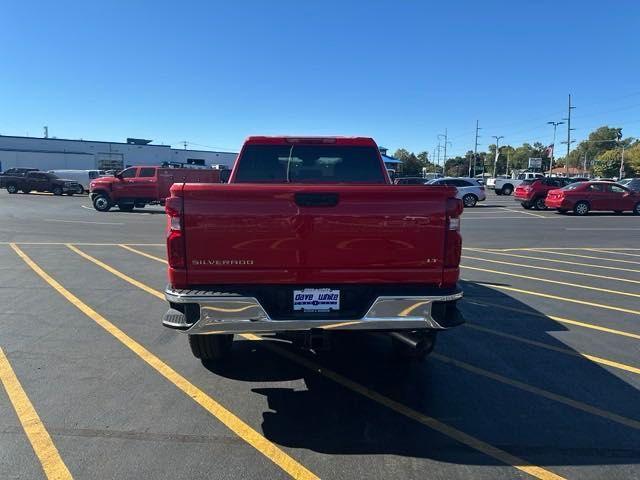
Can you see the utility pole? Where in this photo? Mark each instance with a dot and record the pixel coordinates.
(495, 162)
(445, 136)
(46, 132)
(553, 145)
(621, 173)
(475, 152)
(569, 141)
(184, 143)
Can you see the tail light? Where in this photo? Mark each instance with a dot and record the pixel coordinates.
(453, 239)
(175, 233)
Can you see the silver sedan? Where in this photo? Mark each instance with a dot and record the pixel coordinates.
(468, 189)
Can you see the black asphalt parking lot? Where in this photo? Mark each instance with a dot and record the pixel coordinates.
(543, 380)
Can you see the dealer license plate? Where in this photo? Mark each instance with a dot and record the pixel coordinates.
(316, 299)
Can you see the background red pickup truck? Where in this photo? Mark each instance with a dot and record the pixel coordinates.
(309, 237)
(140, 186)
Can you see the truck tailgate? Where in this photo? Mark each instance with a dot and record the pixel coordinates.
(314, 234)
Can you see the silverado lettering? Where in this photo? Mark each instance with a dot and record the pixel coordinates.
(338, 247)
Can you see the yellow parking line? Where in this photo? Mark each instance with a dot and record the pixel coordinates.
(144, 254)
(585, 407)
(546, 346)
(88, 244)
(417, 416)
(43, 446)
(235, 424)
(600, 250)
(555, 318)
(525, 249)
(398, 407)
(526, 265)
(525, 213)
(583, 256)
(555, 282)
(552, 260)
(556, 297)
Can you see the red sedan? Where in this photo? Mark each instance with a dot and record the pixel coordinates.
(583, 197)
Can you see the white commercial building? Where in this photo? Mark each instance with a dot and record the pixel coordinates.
(60, 154)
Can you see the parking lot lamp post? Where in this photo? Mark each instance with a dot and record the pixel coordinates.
(553, 144)
(495, 161)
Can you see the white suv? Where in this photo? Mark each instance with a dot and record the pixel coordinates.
(468, 189)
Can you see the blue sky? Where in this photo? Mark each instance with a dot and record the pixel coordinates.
(212, 73)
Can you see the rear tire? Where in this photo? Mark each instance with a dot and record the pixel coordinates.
(101, 202)
(636, 209)
(526, 205)
(210, 347)
(469, 200)
(581, 208)
(11, 188)
(57, 191)
(507, 189)
(80, 190)
(539, 204)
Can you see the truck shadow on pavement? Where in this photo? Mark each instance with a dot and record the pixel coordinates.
(334, 419)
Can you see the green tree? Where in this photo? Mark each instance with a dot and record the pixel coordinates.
(607, 164)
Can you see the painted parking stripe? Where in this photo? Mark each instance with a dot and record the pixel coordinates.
(80, 221)
(590, 257)
(558, 270)
(231, 421)
(568, 321)
(554, 297)
(546, 346)
(525, 213)
(52, 464)
(600, 250)
(434, 424)
(144, 254)
(555, 282)
(550, 260)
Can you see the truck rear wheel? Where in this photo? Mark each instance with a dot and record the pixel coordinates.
(210, 347)
(507, 189)
(101, 202)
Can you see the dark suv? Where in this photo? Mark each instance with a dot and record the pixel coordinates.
(38, 181)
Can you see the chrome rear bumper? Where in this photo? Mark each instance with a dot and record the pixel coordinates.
(237, 314)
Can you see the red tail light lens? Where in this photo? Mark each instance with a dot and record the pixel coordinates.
(175, 237)
(453, 239)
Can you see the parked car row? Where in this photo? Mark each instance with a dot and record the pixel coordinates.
(566, 194)
(469, 190)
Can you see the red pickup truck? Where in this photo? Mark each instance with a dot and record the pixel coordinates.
(140, 186)
(310, 237)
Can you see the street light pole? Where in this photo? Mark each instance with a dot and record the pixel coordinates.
(495, 161)
(553, 145)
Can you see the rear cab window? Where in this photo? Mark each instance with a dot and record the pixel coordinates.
(147, 172)
(299, 163)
